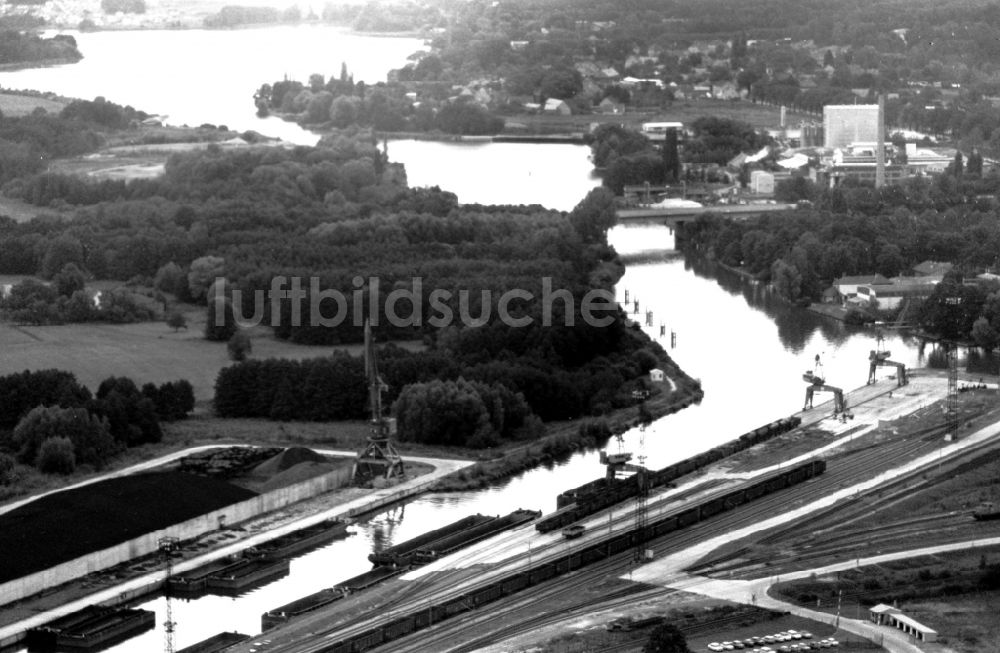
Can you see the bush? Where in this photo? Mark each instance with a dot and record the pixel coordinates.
(55, 456)
(239, 346)
(6, 469)
(88, 435)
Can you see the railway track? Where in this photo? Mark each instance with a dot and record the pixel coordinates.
(845, 469)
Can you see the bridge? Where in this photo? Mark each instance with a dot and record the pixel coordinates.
(672, 216)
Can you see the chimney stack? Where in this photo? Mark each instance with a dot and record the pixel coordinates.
(880, 144)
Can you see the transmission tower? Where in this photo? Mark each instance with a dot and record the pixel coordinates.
(167, 546)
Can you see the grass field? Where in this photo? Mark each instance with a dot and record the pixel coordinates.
(145, 352)
(21, 105)
(759, 116)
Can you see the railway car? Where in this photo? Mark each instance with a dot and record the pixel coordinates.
(688, 517)
(514, 583)
(399, 628)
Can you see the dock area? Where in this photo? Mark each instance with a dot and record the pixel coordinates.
(344, 504)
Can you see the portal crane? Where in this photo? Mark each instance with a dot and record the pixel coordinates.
(879, 357)
(817, 383)
(379, 459)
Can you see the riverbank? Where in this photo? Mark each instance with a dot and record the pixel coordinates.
(564, 438)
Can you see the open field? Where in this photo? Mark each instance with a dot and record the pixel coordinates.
(145, 352)
(21, 211)
(12, 104)
(686, 111)
(953, 593)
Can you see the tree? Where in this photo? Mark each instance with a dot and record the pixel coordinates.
(55, 456)
(594, 215)
(203, 273)
(220, 324)
(666, 638)
(170, 278)
(63, 250)
(92, 443)
(239, 346)
(69, 280)
(827, 59)
(176, 320)
(974, 165)
(957, 165)
(441, 412)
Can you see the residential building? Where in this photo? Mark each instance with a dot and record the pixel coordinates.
(888, 297)
(848, 286)
(557, 106)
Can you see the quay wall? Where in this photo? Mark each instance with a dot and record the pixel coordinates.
(25, 586)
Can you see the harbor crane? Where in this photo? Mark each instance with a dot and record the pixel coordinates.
(817, 383)
(879, 357)
(378, 461)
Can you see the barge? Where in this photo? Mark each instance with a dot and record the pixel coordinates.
(245, 575)
(216, 643)
(92, 628)
(297, 542)
(289, 611)
(403, 553)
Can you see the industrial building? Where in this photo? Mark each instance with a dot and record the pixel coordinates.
(844, 124)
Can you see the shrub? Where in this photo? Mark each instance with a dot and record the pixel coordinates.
(55, 456)
(6, 468)
(239, 346)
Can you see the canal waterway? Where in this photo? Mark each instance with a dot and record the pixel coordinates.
(748, 348)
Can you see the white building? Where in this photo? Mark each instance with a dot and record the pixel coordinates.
(761, 182)
(844, 124)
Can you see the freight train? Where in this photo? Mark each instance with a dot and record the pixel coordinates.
(680, 518)
(596, 495)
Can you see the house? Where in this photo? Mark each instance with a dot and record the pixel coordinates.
(886, 615)
(888, 297)
(557, 106)
(932, 269)
(848, 286)
(607, 105)
(656, 375)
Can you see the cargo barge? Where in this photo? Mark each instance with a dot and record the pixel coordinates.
(92, 628)
(215, 643)
(246, 574)
(317, 600)
(402, 553)
(297, 542)
(195, 582)
(314, 601)
(406, 555)
(450, 543)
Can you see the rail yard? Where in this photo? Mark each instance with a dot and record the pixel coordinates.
(868, 473)
(809, 486)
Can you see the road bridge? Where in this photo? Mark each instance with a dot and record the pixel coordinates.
(672, 216)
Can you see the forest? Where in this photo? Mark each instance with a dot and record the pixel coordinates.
(332, 215)
(856, 229)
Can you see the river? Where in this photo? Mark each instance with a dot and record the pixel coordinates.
(748, 349)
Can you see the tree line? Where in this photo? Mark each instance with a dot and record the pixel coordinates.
(51, 421)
